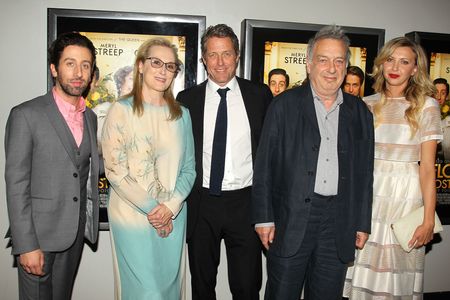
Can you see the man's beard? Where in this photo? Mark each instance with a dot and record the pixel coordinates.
(73, 91)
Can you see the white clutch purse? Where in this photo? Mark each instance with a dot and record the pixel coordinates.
(404, 228)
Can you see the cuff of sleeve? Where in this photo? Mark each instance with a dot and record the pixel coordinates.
(268, 224)
(437, 137)
(175, 204)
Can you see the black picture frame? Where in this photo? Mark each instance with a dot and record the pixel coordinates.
(434, 43)
(254, 34)
(431, 42)
(66, 20)
(188, 26)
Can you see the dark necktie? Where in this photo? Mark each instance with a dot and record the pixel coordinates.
(219, 145)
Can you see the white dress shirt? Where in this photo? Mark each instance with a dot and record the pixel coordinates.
(238, 171)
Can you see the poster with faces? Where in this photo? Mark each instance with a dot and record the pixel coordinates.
(115, 59)
(292, 58)
(440, 66)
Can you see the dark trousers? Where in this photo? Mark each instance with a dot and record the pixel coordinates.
(226, 217)
(316, 263)
(60, 269)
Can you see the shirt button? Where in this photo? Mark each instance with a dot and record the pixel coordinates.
(75, 199)
(324, 181)
(307, 200)
(327, 159)
(328, 138)
(75, 175)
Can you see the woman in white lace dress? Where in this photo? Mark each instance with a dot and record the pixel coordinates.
(407, 128)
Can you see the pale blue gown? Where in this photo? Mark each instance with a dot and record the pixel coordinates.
(148, 160)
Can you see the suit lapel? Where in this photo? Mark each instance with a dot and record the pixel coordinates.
(248, 103)
(310, 113)
(197, 112)
(60, 126)
(345, 117)
(89, 123)
(248, 98)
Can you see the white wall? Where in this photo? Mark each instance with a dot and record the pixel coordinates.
(23, 32)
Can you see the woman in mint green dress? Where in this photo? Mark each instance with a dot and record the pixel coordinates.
(149, 161)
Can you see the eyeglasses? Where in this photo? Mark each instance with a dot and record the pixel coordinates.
(157, 63)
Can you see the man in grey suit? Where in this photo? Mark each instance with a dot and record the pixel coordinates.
(51, 150)
(312, 184)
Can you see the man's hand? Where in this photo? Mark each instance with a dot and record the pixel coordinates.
(159, 216)
(361, 239)
(33, 262)
(266, 235)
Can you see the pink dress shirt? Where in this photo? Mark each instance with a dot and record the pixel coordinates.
(72, 114)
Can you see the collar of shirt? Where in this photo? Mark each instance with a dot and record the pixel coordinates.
(327, 172)
(339, 99)
(65, 107)
(238, 171)
(72, 114)
(213, 87)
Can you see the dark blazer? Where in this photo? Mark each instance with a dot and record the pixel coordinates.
(42, 180)
(256, 100)
(286, 163)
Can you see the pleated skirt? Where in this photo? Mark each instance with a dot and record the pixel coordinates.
(383, 270)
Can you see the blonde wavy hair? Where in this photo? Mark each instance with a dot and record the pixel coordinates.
(419, 85)
(141, 56)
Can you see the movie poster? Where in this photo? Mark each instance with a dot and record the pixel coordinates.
(440, 68)
(288, 56)
(115, 58)
(292, 58)
(443, 189)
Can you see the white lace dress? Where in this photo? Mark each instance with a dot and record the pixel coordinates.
(383, 270)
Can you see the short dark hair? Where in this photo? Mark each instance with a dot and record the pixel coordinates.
(68, 39)
(279, 71)
(354, 70)
(441, 81)
(221, 31)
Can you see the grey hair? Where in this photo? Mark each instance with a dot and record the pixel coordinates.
(334, 32)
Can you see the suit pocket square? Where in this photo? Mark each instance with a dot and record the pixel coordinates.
(404, 227)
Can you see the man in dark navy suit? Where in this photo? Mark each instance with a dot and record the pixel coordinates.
(312, 184)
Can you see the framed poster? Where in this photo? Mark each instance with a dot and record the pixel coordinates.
(270, 44)
(116, 36)
(437, 48)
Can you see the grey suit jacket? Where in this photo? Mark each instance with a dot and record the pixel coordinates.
(42, 181)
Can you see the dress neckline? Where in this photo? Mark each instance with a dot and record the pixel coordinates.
(396, 98)
(147, 104)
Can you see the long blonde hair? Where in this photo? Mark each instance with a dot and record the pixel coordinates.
(141, 56)
(419, 85)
